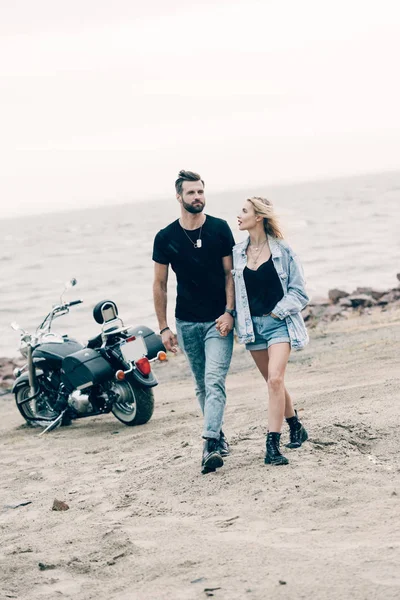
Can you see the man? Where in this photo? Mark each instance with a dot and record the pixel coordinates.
(199, 249)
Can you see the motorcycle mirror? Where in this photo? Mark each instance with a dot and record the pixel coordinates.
(14, 326)
(71, 283)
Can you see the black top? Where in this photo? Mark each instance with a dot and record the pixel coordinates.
(264, 288)
(199, 272)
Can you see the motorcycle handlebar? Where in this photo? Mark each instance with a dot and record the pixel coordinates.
(74, 302)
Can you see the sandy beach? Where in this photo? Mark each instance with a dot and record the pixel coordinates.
(144, 524)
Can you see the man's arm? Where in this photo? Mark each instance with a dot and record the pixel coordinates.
(225, 322)
(160, 305)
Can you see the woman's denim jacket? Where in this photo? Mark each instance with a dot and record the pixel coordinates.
(289, 307)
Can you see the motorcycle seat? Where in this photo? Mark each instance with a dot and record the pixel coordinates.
(95, 342)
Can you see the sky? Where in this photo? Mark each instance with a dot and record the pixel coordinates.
(104, 102)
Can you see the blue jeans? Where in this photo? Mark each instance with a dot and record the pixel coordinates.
(209, 355)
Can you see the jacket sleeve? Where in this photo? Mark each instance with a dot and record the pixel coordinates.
(296, 297)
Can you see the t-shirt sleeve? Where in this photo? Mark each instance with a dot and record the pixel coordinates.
(227, 239)
(159, 250)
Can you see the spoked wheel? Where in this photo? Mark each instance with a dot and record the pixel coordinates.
(135, 405)
(36, 409)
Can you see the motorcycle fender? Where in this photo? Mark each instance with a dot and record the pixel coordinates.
(23, 379)
(145, 382)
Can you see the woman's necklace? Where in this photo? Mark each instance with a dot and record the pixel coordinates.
(255, 257)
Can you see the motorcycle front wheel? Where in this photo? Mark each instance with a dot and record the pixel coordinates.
(135, 405)
(34, 411)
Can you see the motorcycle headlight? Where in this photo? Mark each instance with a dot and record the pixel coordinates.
(23, 348)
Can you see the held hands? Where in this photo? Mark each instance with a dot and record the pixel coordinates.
(224, 324)
(169, 340)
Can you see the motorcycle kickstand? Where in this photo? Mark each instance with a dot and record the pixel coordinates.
(54, 423)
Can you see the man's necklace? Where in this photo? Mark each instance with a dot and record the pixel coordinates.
(198, 242)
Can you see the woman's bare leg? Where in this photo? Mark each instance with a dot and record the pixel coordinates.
(261, 359)
(278, 355)
(289, 410)
(272, 365)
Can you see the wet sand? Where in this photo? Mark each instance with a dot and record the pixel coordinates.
(144, 524)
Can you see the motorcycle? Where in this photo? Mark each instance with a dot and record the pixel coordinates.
(64, 380)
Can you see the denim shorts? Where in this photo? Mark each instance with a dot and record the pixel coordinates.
(268, 331)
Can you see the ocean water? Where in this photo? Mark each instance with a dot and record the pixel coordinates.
(346, 232)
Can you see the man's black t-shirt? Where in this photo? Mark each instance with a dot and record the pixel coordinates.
(199, 271)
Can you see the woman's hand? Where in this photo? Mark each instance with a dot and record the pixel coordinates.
(224, 324)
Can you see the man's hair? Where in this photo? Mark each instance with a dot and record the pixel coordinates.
(186, 176)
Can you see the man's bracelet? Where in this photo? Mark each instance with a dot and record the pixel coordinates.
(162, 330)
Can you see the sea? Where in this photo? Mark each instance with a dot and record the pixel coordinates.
(345, 231)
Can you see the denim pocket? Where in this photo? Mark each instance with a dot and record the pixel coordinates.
(274, 318)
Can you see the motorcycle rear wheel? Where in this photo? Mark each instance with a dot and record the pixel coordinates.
(36, 409)
(135, 405)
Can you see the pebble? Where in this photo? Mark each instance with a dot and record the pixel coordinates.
(59, 505)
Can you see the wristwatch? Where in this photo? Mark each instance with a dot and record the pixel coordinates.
(231, 312)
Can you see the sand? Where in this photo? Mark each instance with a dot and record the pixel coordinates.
(143, 523)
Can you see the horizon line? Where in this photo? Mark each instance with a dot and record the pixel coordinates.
(238, 188)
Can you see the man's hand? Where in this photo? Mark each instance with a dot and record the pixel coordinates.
(224, 324)
(170, 341)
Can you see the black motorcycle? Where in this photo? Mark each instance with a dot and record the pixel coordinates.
(64, 380)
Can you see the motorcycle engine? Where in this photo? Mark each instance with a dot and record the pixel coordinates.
(80, 402)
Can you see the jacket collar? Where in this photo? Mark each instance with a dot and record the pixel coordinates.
(275, 246)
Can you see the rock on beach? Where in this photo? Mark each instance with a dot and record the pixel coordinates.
(7, 366)
(341, 304)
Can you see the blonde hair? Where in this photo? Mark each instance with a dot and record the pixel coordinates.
(264, 207)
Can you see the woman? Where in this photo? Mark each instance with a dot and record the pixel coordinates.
(269, 290)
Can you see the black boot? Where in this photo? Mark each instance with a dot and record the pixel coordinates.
(211, 457)
(273, 455)
(298, 434)
(224, 449)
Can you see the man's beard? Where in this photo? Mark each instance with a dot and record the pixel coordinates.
(193, 209)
